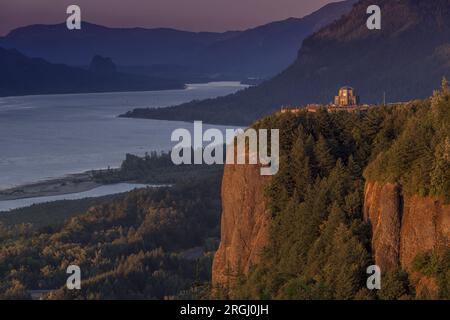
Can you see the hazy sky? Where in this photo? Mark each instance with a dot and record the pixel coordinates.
(196, 15)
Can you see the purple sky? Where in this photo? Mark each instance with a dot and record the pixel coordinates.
(196, 15)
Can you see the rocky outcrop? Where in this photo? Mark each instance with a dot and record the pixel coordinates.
(404, 226)
(425, 225)
(102, 66)
(383, 208)
(245, 223)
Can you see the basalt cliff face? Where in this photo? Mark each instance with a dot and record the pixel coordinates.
(382, 208)
(404, 226)
(245, 223)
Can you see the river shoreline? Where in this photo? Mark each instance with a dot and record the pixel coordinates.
(73, 183)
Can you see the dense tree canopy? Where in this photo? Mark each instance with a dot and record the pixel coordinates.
(153, 244)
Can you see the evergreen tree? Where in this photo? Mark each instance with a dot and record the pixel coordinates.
(395, 285)
(322, 153)
(300, 166)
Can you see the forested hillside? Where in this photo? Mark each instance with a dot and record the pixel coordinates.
(419, 159)
(149, 244)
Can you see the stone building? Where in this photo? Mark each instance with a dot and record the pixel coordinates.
(346, 100)
(346, 97)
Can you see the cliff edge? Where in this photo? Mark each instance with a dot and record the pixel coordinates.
(245, 223)
(404, 226)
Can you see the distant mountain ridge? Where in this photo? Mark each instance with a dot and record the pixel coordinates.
(131, 46)
(267, 50)
(258, 52)
(21, 75)
(406, 59)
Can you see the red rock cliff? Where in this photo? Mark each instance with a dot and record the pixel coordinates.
(245, 223)
(403, 226)
(382, 208)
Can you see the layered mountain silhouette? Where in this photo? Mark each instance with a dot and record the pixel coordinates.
(268, 49)
(21, 75)
(258, 52)
(405, 60)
